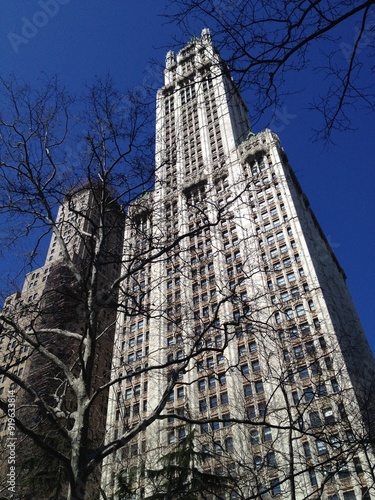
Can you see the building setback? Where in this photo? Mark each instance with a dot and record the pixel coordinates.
(234, 293)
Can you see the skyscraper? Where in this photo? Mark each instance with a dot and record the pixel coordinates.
(244, 326)
(49, 314)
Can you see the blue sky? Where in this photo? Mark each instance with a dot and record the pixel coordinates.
(81, 40)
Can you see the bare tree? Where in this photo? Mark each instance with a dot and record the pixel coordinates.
(185, 290)
(265, 44)
(55, 329)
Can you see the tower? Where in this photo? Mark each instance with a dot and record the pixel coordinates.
(236, 325)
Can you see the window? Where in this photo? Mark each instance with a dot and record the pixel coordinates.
(201, 385)
(335, 441)
(254, 437)
(289, 314)
(170, 358)
(280, 281)
(255, 366)
(202, 405)
(224, 398)
(213, 402)
(226, 418)
(275, 487)
(322, 391)
(180, 392)
(271, 459)
(349, 495)
(291, 277)
(298, 352)
(321, 447)
(242, 351)
(259, 387)
(328, 362)
(328, 416)
(211, 381)
(365, 494)
(306, 450)
(312, 475)
(343, 473)
(252, 347)
(308, 394)
(277, 266)
(284, 296)
(305, 329)
(128, 393)
(267, 434)
(310, 348)
(245, 369)
(300, 310)
(250, 412)
(181, 433)
(229, 444)
(357, 465)
(335, 385)
(315, 419)
(294, 292)
(293, 332)
(303, 372)
(315, 368)
(137, 390)
(247, 390)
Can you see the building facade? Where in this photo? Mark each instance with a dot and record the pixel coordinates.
(239, 362)
(52, 300)
(235, 314)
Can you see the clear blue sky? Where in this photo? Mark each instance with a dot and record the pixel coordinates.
(78, 40)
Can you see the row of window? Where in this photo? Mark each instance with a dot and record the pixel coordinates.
(319, 391)
(256, 387)
(213, 402)
(290, 313)
(211, 381)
